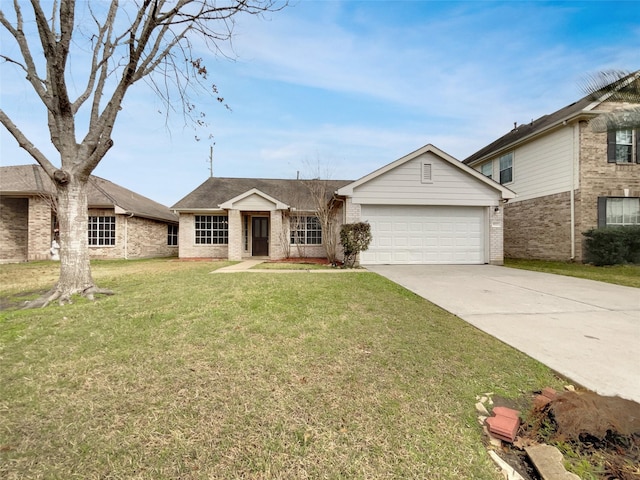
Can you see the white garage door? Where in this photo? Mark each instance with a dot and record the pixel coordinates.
(424, 235)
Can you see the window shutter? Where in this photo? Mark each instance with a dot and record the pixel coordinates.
(602, 212)
(637, 145)
(611, 146)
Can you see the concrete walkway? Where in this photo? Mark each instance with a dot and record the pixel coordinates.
(248, 266)
(587, 331)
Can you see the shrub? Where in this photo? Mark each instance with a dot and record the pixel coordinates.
(354, 238)
(612, 245)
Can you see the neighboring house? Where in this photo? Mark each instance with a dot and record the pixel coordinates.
(426, 207)
(568, 179)
(122, 224)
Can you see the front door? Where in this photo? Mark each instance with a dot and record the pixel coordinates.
(260, 236)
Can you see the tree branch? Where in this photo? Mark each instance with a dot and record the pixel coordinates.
(24, 143)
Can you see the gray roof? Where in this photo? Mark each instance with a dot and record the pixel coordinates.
(23, 180)
(575, 110)
(526, 130)
(216, 191)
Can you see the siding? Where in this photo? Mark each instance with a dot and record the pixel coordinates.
(403, 186)
(254, 202)
(541, 167)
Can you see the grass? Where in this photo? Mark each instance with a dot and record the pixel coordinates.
(628, 275)
(185, 374)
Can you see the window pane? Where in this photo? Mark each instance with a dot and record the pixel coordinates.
(506, 168)
(623, 211)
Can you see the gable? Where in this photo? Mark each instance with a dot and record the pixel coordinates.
(427, 176)
(255, 200)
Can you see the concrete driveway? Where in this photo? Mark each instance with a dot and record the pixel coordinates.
(587, 331)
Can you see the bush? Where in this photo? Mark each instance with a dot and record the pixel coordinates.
(354, 238)
(612, 245)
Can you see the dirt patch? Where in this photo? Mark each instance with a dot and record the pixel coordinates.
(599, 436)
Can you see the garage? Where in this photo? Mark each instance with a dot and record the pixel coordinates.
(413, 234)
(428, 208)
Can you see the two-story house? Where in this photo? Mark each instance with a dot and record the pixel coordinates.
(568, 178)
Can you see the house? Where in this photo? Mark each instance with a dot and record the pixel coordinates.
(426, 207)
(122, 224)
(236, 218)
(568, 178)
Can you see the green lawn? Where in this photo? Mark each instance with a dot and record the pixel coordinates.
(628, 275)
(185, 374)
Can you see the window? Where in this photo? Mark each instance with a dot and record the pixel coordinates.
(172, 235)
(306, 231)
(212, 229)
(506, 168)
(621, 211)
(622, 146)
(487, 169)
(102, 231)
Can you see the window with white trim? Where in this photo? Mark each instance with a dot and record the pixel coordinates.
(487, 169)
(622, 211)
(622, 146)
(212, 230)
(172, 235)
(102, 231)
(506, 168)
(305, 230)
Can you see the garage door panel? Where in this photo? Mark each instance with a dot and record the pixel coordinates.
(421, 234)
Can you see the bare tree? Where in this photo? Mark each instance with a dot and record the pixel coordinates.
(127, 42)
(326, 206)
(617, 86)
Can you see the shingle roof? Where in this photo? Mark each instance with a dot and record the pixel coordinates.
(582, 107)
(539, 125)
(216, 191)
(31, 180)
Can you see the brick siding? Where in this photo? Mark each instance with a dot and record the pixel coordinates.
(538, 228)
(14, 229)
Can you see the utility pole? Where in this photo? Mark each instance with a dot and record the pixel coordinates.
(211, 160)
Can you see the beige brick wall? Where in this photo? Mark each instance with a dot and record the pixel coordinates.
(187, 241)
(136, 237)
(538, 228)
(599, 178)
(14, 229)
(496, 238)
(40, 229)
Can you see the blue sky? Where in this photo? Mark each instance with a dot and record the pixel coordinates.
(349, 86)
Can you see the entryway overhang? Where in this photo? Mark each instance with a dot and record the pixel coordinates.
(254, 200)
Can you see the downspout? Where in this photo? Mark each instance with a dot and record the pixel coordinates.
(575, 158)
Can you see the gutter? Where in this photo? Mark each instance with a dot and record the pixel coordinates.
(532, 136)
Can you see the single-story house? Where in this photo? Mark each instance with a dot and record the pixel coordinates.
(122, 223)
(424, 208)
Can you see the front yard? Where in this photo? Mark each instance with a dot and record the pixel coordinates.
(189, 375)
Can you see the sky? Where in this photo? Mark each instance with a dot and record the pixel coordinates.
(341, 88)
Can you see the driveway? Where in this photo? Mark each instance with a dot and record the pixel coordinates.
(587, 331)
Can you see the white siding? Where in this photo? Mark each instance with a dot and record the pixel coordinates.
(404, 185)
(541, 167)
(254, 202)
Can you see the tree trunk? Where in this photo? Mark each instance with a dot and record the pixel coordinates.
(75, 268)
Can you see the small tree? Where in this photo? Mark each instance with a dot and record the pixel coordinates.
(354, 238)
(326, 207)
